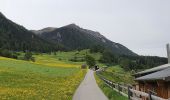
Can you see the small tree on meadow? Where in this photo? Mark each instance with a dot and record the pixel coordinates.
(90, 61)
(28, 56)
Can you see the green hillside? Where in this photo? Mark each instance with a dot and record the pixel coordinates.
(118, 75)
(110, 93)
(115, 74)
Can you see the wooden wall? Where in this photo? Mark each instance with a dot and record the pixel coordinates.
(168, 89)
(162, 88)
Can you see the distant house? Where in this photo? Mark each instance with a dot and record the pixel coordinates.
(155, 79)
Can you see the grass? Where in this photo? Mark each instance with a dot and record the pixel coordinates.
(115, 74)
(52, 77)
(46, 79)
(53, 61)
(118, 75)
(111, 94)
(25, 66)
(66, 56)
(82, 53)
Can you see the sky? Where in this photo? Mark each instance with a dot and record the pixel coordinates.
(141, 25)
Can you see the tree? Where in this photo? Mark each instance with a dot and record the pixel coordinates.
(28, 56)
(108, 57)
(90, 61)
(125, 64)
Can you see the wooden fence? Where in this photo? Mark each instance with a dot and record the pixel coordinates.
(128, 91)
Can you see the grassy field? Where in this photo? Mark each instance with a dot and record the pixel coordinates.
(53, 60)
(46, 79)
(118, 75)
(68, 55)
(111, 94)
(52, 76)
(115, 74)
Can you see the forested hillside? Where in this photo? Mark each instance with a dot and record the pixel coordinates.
(129, 63)
(17, 38)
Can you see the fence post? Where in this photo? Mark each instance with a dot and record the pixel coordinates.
(118, 88)
(129, 92)
(112, 85)
(150, 95)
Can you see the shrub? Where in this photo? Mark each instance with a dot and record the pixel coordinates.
(7, 53)
(28, 56)
(90, 61)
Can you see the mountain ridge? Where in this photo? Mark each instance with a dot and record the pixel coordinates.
(70, 37)
(71, 34)
(16, 37)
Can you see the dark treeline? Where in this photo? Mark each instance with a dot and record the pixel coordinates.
(141, 62)
(9, 54)
(129, 62)
(12, 54)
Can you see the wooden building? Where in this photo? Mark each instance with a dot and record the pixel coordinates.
(155, 79)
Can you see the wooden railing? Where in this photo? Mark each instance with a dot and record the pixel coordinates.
(126, 90)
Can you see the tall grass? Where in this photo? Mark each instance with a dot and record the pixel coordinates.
(110, 93)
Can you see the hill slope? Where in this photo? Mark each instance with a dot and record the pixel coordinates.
(23, 80)
(16, 37)
(74, 37)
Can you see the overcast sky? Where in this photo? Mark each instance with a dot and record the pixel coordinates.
(141, 25)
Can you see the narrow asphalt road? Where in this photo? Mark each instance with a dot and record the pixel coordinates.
(88, 89)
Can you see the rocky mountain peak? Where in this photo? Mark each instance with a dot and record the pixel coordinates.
(73, 25)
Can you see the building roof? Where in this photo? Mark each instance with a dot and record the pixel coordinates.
(159, 75)
(162, 67)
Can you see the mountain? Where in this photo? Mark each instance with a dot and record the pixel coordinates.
(16, 37)
(45, 30)
(70, 37)
(74, 37)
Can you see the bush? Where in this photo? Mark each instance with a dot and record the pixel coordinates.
(32, 59)
(28, 56)
(83, 66)
(90, 61)
(7, 53)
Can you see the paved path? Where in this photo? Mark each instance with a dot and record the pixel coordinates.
(88, 89)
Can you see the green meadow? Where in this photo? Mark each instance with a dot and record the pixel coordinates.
(115, 74)
(53, 76)
(118, 75)
(110, 93)
(48, 78)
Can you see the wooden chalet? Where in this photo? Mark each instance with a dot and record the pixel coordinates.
(155, 80)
